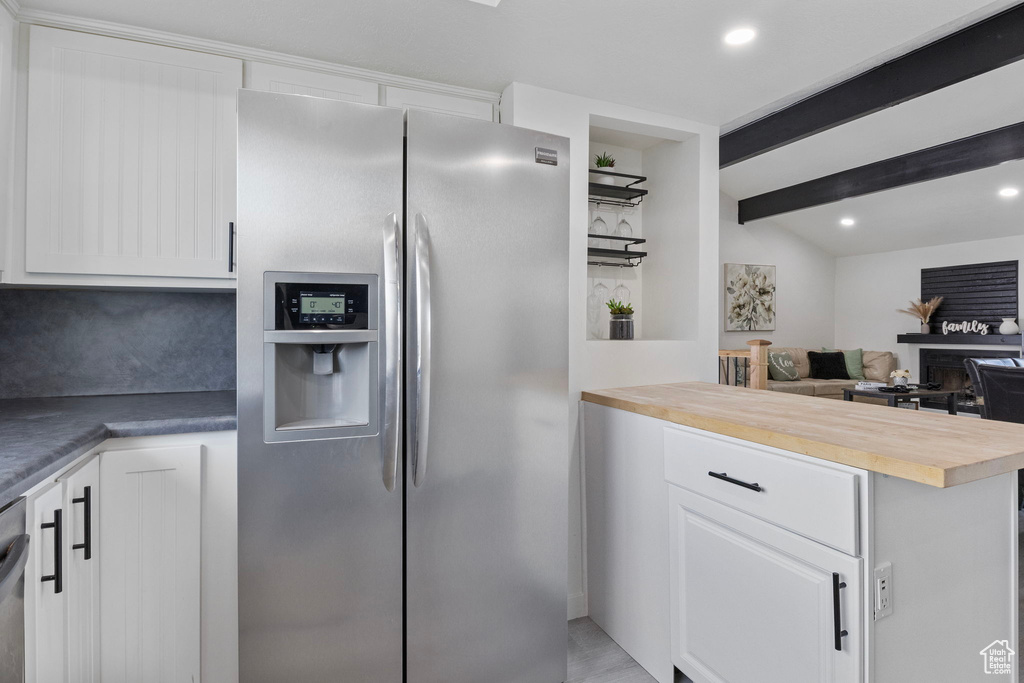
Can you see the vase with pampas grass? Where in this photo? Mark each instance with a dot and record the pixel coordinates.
(923, 311)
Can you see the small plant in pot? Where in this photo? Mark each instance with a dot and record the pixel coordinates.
(604, 162)
(900, 378)
(621, 325)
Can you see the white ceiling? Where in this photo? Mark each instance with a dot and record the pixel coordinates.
(663, 55)
(959, 208)
(955, 209)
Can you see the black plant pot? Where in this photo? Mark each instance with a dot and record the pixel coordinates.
(620, 327)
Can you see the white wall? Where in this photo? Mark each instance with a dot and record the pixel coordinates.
(600, 364)
(805, 281)
(870, 289)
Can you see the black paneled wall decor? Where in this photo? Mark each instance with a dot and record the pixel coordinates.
(986, 292)
(88, 342)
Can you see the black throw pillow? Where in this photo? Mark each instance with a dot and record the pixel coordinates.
(828, 365)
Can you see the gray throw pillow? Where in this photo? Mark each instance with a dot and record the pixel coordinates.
(781, 367)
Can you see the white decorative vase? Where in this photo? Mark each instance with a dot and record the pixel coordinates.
(900, 381)
(605, 179)
(1009, 326)
(926, 328)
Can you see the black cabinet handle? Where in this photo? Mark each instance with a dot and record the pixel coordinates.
(836, 617)
(231, 247)
(86, 543)
(724, 477)
(58, 573)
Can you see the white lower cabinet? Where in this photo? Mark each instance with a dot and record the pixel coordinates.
(118, 586)
(81, 489)
(724, 560)
(753, 602)
(149, 586)
(45, 599)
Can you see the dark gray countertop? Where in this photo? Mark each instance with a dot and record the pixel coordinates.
(40, 436)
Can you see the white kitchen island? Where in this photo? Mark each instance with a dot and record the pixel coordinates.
(739, 536)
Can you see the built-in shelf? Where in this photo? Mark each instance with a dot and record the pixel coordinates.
(627, 195)
(616, 258)
(993, 339)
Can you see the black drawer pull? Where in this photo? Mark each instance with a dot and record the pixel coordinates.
(58, 572)
(724, 477)
(86, 543)
(837, 624)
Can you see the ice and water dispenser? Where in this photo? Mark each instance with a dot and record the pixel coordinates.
(320, 355)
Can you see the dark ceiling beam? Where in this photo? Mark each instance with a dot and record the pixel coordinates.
(976, 49)
(951, 158)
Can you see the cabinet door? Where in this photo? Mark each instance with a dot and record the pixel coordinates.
(284, 79)
(444, 104)
(752, 602)
(45, 600)
(149, 584)
(131, 157)
(81, 548)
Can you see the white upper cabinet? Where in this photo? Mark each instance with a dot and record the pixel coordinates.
(432, 101)
(7, 31)
(131, 157)
(284, 79)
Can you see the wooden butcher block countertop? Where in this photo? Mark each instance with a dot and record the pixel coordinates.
(930, 448)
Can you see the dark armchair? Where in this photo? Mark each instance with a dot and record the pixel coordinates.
(1004, 392)
(1004, 400)
(973, 364)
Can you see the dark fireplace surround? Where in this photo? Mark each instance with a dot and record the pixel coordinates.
(946, 366)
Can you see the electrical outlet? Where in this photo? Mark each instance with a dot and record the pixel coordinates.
(883, 590)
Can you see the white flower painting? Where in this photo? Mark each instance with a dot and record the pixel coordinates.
(749, 297)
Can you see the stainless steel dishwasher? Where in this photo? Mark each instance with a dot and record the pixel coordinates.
(13, 555)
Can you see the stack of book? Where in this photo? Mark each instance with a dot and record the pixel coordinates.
(864, 384)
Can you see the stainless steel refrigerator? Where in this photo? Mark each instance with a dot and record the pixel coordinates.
(403, 428)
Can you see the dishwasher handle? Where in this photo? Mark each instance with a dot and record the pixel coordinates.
(12, 566)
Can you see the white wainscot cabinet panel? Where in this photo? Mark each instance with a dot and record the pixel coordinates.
(81, 548)
(45, 603)
(150, 584)
(131, 157)
(444, 104)
(284, 79)
(753, 602)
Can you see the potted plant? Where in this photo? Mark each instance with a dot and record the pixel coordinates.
(900, 378)
(923, 311)
(604, 161)
(621, 325)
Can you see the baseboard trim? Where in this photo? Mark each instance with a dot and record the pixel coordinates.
(577, 606)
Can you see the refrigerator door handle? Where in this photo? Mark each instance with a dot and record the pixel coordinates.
(421, 400)
(392, 349)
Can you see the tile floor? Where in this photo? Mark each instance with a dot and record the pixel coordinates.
(596, 658)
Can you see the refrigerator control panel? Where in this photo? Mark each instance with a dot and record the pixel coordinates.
(313, 305)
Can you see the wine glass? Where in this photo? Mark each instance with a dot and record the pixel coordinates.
(599, 227)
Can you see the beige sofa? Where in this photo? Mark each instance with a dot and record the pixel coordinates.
(877, 366)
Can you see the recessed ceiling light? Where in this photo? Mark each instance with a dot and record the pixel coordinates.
(1009, 192)
(492, 3)
(739, 36)
(847, 222)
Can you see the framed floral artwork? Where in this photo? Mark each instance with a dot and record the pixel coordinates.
(749, 297)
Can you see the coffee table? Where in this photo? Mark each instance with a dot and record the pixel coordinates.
(895, 398)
